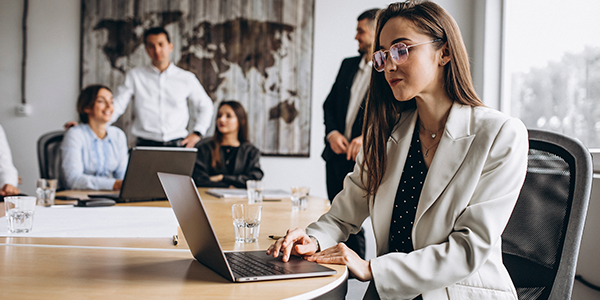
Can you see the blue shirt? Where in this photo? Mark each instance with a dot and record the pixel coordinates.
(91, 163)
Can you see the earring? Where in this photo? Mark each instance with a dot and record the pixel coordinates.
(443, 62)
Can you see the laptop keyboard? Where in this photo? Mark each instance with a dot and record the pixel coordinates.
(246, 265)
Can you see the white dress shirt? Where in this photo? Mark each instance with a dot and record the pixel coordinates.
(360, 85)
(160, 103)
(8, 172)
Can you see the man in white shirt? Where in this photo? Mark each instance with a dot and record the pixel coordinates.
(344, 110)
(9, 178)
(160, 95)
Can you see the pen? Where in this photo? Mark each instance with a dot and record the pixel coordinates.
(276, 237)
(175, 239)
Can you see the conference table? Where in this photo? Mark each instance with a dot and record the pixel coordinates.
(153, 268)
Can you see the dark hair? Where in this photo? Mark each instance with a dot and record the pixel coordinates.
(370, 14)
(86, 100)
(217, 138)
(382, 110)
(156, 30)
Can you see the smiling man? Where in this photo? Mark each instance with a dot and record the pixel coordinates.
(161, 93)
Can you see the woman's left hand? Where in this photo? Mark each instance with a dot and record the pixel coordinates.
(216, 178)
(342, 255)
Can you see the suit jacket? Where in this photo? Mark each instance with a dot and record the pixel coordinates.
(467, 198)
(247, 166)
(335, 107)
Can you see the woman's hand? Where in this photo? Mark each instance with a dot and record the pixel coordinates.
(295, 242)
(117, 185)
(354, 148)
(216, 178)
(342, 255)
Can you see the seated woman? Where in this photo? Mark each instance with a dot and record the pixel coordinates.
(94, 154)
(228, 158)
(437, 216)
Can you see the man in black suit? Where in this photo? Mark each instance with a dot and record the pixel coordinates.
(344, 110)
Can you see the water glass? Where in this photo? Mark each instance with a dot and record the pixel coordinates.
(255, 191)
(46, 189)
(246, 222)
(300, 197)
(19, 213)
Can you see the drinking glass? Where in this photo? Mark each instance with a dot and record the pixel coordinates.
(46, 190)
(300, 197)
(255, 191)
(19, 213)
(246, 222)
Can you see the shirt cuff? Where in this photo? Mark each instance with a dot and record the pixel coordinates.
(106, 184)
(330, 133)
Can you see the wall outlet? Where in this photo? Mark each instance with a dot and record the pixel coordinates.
(23, 110)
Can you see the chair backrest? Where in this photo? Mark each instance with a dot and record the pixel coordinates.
(49, 157)
(541, 241)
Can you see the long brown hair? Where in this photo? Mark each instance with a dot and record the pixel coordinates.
(217, 138)
(383, 111)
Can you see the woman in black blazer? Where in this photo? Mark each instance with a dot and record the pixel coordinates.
(228, 158)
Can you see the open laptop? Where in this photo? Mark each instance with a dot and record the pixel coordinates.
(237, 266)
(140, 182)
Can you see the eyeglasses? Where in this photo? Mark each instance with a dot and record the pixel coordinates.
(398, 52)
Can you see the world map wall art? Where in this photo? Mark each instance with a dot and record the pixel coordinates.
(257, 52)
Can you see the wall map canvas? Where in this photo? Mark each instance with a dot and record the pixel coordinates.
(258, 52)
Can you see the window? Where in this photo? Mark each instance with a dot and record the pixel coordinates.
(552, 66)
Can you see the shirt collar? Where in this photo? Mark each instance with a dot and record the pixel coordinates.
(93, 134)
(167, 70)
(363, 65)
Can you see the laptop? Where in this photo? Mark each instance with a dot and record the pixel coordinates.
(140, 182)
(237, 266)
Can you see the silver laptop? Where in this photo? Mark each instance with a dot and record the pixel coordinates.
(237, 266)
(141, 183)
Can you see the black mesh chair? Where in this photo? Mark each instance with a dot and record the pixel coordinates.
(542, 238)
(49, 157)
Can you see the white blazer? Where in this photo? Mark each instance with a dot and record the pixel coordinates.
(468, 196)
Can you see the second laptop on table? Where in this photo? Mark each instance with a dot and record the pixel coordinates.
(141, 182)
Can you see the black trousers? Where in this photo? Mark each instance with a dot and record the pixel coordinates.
(151, 143)
(337, 168)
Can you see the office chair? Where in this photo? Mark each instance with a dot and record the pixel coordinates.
(541, 241)
(49, 157)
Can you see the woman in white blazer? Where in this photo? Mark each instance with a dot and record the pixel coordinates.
(439, 173)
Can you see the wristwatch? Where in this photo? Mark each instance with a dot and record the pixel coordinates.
(198, 133)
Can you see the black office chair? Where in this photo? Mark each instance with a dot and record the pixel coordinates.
(542, 238)
(49, 157)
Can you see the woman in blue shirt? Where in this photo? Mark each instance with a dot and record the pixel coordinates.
(94, 154)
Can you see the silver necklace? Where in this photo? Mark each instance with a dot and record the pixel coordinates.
(433, 134)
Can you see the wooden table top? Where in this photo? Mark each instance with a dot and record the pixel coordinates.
(65, 268)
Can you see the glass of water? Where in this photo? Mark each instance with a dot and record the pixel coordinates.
(246, 222)
(300, 197)
(255, 191)
(46, 190)
(19, 213)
